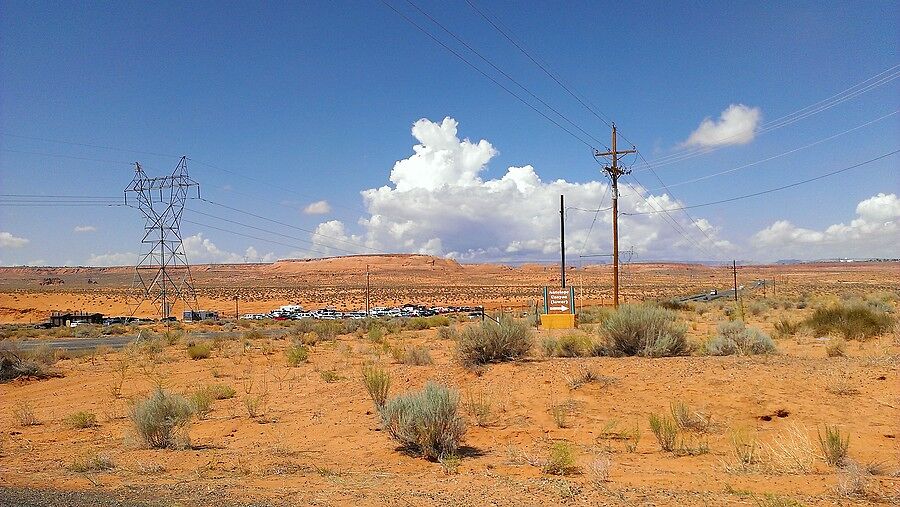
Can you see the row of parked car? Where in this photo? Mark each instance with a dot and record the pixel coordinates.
(296, 312)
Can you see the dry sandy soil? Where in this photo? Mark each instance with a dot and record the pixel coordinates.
(317, 439)
(397, 279)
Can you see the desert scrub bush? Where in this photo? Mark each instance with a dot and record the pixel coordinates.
(417, 355)
(574, 345)
(561, 460)
(201, 403)
(252, 335)
(329, 376)
(172, 337)
(376, 334)
(255, 405)
(644, 330)
(674, 304)
(82, 420)
(734, 337)
(837, 347)
(328, 330)
(852, 322)
(23, 413)
(745, 451)
(91, 462)
(688, 419)
(378, 383)
(785, 328)
(665, 430)
(220, 391)
(14, 365)
(834, 445)
(161, 420)
(758, 307)
(447, 333)
(200, 350)
(491, 342)
(426, 422)
(480, 407)
(593, 315)
(296, 354)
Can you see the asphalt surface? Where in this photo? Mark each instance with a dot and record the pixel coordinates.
(115, 342)
(728, 294)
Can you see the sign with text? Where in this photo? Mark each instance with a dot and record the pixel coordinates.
(559, 300)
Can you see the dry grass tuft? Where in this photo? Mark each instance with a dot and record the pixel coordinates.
(82, 420)
(834, 445)
(561, 460)
(378, 383)
(23, 412)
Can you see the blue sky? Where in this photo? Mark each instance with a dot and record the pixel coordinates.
(316, 101)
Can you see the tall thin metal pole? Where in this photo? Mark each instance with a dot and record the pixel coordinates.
(562, 240)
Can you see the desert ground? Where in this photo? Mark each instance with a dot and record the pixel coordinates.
(308, 433)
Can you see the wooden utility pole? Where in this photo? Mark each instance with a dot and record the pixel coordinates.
(614, 171)
(734, 274)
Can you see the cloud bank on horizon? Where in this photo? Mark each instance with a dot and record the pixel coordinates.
(439, 204)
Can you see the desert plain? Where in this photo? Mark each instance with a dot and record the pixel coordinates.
(307, 432)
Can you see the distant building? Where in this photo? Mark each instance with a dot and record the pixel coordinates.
(58, 319)
(191, 316)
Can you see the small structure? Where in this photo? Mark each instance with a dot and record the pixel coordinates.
(58, 319)
(196, 316)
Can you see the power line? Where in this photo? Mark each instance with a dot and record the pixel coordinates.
(540, 65)
(783, 187)
(485, 74)
(502, 72)
(773, 157)
(44, 139)
(315, 233)
(66, 156)
(793, 117)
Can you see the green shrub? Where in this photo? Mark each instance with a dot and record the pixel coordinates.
(417, 355)
(834, 445)
(674, 304)
(644, 330)
(220, 391)
(199, 350)
(378, 383)
(736, 338)
(328, 330)
(426, 422)
(296, 354)
(82, 420)
(562, 459)
(253, 334)
(856, 322)
(785, 328)
(329, 376)
(574, 345)
(665, 431)
(201, 402)
(593, 314)
(376, 334)
(161, 420)
(447, 333)
(549, 346)
(491, 342)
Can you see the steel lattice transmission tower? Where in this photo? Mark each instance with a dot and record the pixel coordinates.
(163, 276)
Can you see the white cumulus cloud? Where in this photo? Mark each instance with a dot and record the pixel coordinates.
(438, 204)
(7, 240)
(201, 250)
(113, 259)
(736, 125)
(85, 228)
(317, 208)
(875, 232)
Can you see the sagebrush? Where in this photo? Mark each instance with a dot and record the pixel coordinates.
(426, 422)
